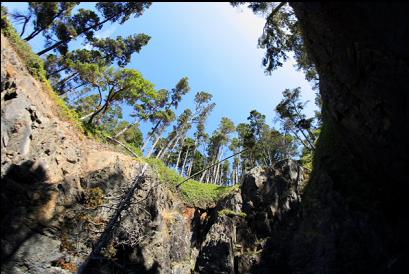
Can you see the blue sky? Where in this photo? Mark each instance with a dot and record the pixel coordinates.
(213, 44)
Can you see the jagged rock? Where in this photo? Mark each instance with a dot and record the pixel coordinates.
(216, 254)
(37, 259)
(236, 239)
(270, 192)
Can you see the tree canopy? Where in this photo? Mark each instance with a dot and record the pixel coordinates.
(112, 98)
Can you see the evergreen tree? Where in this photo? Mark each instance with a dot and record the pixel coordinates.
(121, 86)
(282, 35)
(172, 100)
(86, 22)
(289, 111)
(78, 65)
(43, 15)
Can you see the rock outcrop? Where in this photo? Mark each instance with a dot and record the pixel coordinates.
(247, 225)
(59, 190)
(354, 216)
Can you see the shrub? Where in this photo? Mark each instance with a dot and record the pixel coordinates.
(231, 213)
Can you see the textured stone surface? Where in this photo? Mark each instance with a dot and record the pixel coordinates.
(235, 242)
(354, 216)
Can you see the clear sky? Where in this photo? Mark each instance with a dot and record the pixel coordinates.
(213, 44)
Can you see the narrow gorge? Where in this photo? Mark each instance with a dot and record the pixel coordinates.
(60, 187)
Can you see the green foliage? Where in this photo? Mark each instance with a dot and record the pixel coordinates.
(59, 27)
(45, 14)
(181, 88)
(282, 35)
(231, 213)
(122, 86)
(120, 49)
(290, 113)
(264, 145)
(193, 193)
(84, 67)
(306, 159)
(308, 155)
(121, 11)
(34, 63)
(133, 136)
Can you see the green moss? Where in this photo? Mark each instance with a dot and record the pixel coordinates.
(231, 213)
(192, 192)
(34, 63)
(135, 149)
(94, 197)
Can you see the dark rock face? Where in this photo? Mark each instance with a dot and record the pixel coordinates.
(271, 192)
(216, 254)
(248, 237)
(355, 210)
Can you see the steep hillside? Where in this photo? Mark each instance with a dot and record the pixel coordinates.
(61, 188)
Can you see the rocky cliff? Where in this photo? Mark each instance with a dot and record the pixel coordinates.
(355, 207)
(60, 188)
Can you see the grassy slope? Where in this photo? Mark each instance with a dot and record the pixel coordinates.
(194, 193)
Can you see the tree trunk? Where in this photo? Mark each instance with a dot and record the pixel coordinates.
(26, 20)
(105, 110)
(95, 114)
(165, 148)
(178, 160)
(69, 77)
(33, 34)
(180, 152)
(86, 116)
(211, 172)
(233, 175)
(217, 167)
(172, 148)
(65, 93)
(150, 135)
(237, 175)
(69, 39)
(184, 161)
(57, 71)
(193, 158)
(155, 143)
(125, 129)
(203, 176)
